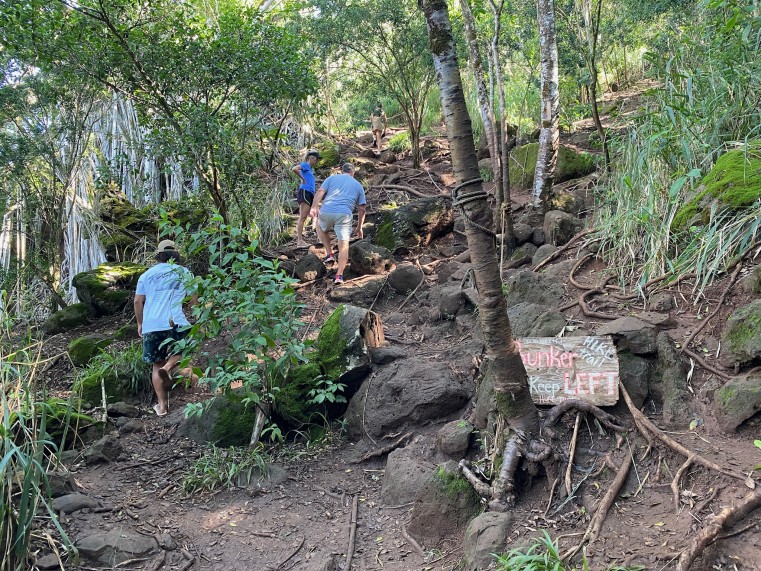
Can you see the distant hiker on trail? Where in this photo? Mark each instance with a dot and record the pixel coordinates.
(158, 308)
(305, 193)
(342, 194)
(379, 122)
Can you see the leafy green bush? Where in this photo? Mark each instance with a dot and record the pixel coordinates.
(248, 306)
(121, 368)
(400, 142)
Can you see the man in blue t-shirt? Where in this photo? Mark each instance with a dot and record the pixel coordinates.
(160, 319)
(342, 194)
(305, 193)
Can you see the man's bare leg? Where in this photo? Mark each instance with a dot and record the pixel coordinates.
(343, 256)
(303, 213)
(325, 239)
(160, 386)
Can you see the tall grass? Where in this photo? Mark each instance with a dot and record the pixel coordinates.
(28, 453)
(707, 102)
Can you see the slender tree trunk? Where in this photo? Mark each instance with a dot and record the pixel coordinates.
(484, 101)
(549, 134)
(590, 31)
(503, 361)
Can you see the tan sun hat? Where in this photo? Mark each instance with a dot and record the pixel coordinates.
(166, 246)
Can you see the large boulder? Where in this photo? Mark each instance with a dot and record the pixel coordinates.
(532, 320)
(361, 291)
(486, 535)
(404, 395)
(741, 339)
(734, 183)
(668, 385)
(226, 421)
(560, 227)
(124, 227)
(108, 289)
(571, 164)
(344, 343)
(405, 278)
(309, 268)
(453, 439)
(105, 449)
(68, 318)
(367, 258)
(415, 224)
(71, 503)
(116, 546)
(443, 506)
(83, 349)
(532, 287)
(631, 334)
(407, 470)
(737, 401)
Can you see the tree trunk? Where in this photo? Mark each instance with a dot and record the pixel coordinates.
(590, 31)
(484, 101)
(549, 134)
(503, 362)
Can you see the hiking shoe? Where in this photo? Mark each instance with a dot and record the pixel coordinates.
(339, 279)
(329, 259)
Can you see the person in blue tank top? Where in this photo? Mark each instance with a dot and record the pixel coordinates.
(342, 194)
(305, 193)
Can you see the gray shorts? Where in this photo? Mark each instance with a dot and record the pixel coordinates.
(339, 223)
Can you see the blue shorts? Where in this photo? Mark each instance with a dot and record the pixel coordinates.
(304, 196)
(154, 348)
(340, 223)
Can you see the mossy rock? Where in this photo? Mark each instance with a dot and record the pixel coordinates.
(415, 224)
(571, 164)
(123, 372)
(226, 421)
(108, 289)
(292, 401)
(88, 387)
(68, 318)
(737, 401)
(741, 339)
(330, 155)
(733, 183)
(127, 332)
(83, 349)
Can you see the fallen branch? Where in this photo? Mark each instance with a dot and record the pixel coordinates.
(557, 253)
(710, 368)
(593, 530)
(352, 532)
(644, 424)
(291, 556)
(386, 449)
(726, 518)
(571, 453)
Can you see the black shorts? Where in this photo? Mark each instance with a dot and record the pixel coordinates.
(304, 196)
(154, 348)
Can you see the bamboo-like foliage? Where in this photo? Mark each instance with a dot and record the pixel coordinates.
(26, 455)
(706, 104)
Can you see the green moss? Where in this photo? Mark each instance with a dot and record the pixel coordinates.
(234, 423)
(89, 388)
(385, 235)
(292, 399)
(83, 349)
(126, 332)
(742, 333)
(454, 485)
(726, 394)
(330, 346)
(571, 164)
(68, 318)
(108, 288)
(330, 156)
(734, 182)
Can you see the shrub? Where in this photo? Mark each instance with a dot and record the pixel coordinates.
(400, 142)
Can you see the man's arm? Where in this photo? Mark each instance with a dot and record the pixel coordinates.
(361, 211)
(139, 305)
(315, 210)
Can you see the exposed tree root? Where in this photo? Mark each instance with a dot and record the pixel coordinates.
(726, 518)
(411, 540)
(710, 368)
(575, 268)
(593, 530)
(612, 422)
(560, 251)
(645, 426)
(407, 189)
(589, 312)
(571, 454)
(352, 532)
(385, 449)
(678, 477)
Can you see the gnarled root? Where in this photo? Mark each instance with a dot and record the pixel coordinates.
(503, 488)
(606, 419)
(726, 518)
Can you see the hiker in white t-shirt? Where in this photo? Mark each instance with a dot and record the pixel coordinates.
(160, 319)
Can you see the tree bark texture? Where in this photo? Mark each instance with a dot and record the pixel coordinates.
(484, 101)
(549, 134)
(503, 362)
(591, 31)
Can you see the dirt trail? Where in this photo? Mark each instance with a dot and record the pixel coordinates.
(302, 521)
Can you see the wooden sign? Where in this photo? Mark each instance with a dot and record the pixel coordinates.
(561, 368)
